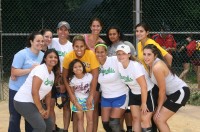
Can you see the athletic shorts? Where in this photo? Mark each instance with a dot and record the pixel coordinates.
(98, 89)
(56, 94)
(82, 102)
(135, 99)
(117, 102)
(177, 99)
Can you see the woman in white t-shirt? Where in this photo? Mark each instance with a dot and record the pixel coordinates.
(114, 99)
(141, 100)
(63, 46)
(80, 81)
(173, 92)
(37, 86)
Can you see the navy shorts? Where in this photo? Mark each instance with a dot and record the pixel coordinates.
(177, 99)
(118, 102)
(56, 94)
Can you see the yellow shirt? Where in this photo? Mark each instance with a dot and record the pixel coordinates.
(89, 59)
(140, 50)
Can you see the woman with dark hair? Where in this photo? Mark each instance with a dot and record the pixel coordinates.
(173, 92)
(47, 34)
(141, 98)
(23, 63)
(91, 64)
(142, 34)
(93, 38)
(63, 46)
(37, 86)
(115, 37)
(114, 98)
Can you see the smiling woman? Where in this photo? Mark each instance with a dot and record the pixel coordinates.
(91, 64)
(37, 86)
(23, 63)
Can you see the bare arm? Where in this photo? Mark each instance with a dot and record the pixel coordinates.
(70, 92)
(143, 85)
(95, 73)
(48, 103)
(36, 84)
(159, 74)
(21, 72)
(93, 85)
(168, 59)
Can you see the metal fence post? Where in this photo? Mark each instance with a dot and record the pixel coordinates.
(1, 58)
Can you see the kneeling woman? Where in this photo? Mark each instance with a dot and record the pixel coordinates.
(114, 99)
(141, 100)
(173, 92)
(37, 86)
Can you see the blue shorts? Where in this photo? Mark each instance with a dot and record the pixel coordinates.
(118, 102)
(82, 102)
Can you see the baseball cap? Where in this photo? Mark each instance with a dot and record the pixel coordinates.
(63, 23)
(124, 48)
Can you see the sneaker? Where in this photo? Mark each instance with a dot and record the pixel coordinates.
(57, 128)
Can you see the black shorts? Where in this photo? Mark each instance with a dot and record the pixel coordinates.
(98, 87)
(135, 99)
(56, 94)
(177, 99)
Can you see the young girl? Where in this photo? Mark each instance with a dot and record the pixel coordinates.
(141, 100)
(80, 82)
(173, 92)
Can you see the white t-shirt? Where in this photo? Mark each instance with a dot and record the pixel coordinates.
(81, 86)
(109, 79)
(62, 49)
(25, 92)
(131, 73)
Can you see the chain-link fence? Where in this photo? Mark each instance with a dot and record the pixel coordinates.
(20, 17)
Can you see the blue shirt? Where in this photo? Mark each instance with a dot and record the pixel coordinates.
(24, 59)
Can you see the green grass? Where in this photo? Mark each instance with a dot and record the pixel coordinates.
(194, 98)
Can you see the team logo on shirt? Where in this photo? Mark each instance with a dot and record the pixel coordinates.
(48, 82)
(60, 53)
(106, 71)
(125, 78)
(87, 65)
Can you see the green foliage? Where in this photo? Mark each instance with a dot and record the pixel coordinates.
(194, 98)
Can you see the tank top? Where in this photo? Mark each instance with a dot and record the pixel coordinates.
(173, 83)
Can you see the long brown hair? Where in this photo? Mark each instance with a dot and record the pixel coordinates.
(157, 53)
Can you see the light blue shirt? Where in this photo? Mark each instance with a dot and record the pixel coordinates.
(24, 59)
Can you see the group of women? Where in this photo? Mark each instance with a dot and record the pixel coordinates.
(88, 66)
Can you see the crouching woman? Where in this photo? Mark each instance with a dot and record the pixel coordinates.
(37, 86)
(173, 92)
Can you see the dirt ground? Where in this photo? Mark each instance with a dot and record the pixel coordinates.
(187, 119)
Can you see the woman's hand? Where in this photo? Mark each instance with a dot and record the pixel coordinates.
(44, 113)
(157, 114)
(89, 102)
(144, 108)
